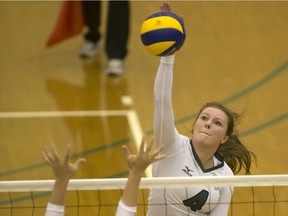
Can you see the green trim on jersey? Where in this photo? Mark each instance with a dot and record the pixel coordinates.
(217, 155)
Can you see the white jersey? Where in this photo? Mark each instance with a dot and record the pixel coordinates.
(122, 210)
(182, 161)
(54, 210)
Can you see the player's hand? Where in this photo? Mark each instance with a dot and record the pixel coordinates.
(165, 6)
(62, 168)
(139, 162)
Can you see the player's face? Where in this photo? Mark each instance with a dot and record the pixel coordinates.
(210, 127)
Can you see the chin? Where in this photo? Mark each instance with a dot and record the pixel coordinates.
(201, 140)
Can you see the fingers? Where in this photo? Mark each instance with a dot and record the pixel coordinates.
(182, 18)
(142, 144)
(50, 155)
(68, 153)
(79, 162)
(149, 145)
(157, 151)
(165, 6)
(156, 156)
(54, 152)
(168, 6)
(126, 151)
(46, 155)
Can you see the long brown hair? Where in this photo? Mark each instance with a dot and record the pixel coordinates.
(235, 154)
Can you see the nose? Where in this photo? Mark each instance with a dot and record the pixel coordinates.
(207, 125)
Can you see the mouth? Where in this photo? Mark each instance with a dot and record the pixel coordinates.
(207, 134)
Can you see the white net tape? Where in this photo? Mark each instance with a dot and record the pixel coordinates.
(146, 183)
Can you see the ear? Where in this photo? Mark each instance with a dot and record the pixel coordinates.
(226, 138)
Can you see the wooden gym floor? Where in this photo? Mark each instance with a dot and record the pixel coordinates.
(235, 52)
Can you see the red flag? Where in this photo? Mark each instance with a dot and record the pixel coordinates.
(70, 23)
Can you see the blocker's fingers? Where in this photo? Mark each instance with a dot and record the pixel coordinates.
(54, 152)
(68, 153)
(159, 157)
(126, 151)
(142, 144)
(79, 162)
(149, 146)
(157, 151)
(46, 155)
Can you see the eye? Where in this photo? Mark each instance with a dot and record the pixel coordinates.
(204, 118)
(218, 123)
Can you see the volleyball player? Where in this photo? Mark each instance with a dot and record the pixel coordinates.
(63, 170)
(212, 150)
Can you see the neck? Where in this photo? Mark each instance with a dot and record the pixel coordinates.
(205, 155)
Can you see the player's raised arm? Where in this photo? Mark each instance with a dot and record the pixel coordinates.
(164, 129)
(63, 170)
(137, 165)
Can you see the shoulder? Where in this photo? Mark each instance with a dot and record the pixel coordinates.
(223, 170)
(185, 139)
(227, 170)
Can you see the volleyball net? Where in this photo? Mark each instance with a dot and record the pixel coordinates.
(253, 195)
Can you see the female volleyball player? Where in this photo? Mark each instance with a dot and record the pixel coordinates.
(212, 150)
(63, 170)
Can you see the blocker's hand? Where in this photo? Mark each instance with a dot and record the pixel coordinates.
(62, 168)
(140, 161)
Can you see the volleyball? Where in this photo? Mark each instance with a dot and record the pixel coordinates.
(163, 33)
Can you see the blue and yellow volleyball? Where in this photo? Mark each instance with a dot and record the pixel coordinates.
(163, 33)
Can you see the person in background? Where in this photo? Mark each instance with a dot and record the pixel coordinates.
(64, 169)
(213, 149)
(117, 33)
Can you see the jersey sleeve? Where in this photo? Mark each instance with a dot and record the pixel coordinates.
(54, 210)
(124, 210)
(164, 128)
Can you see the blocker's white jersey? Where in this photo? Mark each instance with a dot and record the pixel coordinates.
(122, 210)
(54, 210)
(182, 161)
